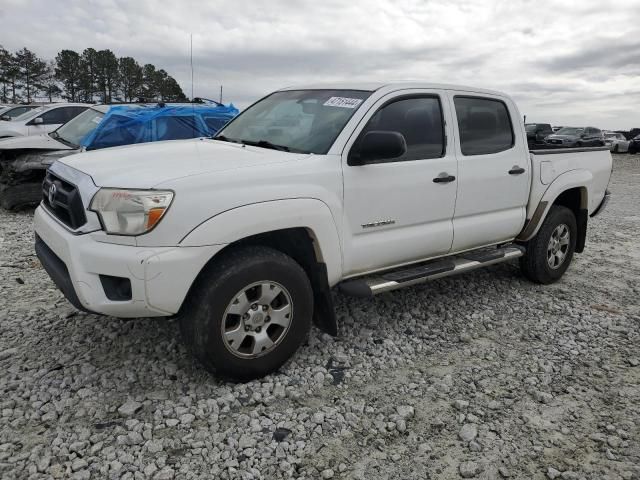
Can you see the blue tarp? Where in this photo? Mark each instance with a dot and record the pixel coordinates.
(129, 124)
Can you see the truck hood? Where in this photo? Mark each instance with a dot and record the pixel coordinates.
(147, 165)
(39, 142)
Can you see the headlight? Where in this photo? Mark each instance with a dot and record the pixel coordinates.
(130, 212)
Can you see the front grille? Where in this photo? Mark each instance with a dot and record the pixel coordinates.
(63, 200)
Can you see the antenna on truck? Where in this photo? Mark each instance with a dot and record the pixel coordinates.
(191, 62)
(193, 108)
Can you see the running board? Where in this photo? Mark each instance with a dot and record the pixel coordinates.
(413, 275)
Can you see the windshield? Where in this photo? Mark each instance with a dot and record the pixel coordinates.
(79, 127)
(531, 127)
(570, 131)
(31, 113)
(306, 121)
(15, 112)
(611, 135)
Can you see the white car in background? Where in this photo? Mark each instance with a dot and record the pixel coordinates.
(616, 142)
(41, 120)
(9, 112)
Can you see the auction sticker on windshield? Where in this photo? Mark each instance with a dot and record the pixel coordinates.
(343, 102)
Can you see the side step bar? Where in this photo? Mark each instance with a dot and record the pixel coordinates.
(413, 275)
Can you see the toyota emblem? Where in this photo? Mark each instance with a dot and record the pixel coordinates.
(52, 193)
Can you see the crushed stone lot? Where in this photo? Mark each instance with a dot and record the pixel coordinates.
(480, 376)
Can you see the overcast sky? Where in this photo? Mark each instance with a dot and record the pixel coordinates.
(565, 62)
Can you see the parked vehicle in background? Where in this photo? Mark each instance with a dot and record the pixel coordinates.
(371, 187)
(576, 137)
(616, 142)
(24, 160)
(536, 133)
(42, 119)
(634, 144)
(11, 112)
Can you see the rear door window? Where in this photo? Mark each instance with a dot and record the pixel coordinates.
(177, 127)
(72, 112)
(484, 124)
(54, 116)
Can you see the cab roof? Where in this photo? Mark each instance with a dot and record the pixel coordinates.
(390, 87)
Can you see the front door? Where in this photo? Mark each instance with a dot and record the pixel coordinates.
(394, 212)
(494, 172)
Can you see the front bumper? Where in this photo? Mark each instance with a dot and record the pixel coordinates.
(160, 277)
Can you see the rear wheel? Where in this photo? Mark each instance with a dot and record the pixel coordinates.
(248, 313)
(578, 144)
(550, 252)
(616, 148)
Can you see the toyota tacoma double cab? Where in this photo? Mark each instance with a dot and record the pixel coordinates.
(367, 188)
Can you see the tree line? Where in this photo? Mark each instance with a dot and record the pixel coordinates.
(90, 76)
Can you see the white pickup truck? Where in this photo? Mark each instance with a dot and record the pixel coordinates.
(368, 188)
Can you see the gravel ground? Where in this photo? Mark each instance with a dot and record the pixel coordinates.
(483, 376)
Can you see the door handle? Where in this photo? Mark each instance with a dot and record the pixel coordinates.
(444, 178)
(516, 170)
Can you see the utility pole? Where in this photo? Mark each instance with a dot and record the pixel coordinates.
(220, 93)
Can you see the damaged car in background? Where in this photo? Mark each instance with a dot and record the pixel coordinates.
(24, 160)
(42, 119)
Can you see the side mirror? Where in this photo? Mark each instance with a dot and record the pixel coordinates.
(38, 121)
(583, 135)
(378, 145)
(6, 118)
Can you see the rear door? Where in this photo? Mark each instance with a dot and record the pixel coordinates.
(394, 212)
(493, 170)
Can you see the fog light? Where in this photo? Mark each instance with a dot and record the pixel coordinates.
(117, 289)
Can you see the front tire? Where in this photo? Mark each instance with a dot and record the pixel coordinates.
(550, 252)
(248, 313)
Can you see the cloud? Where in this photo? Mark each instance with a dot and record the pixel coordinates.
(569, 62)
(624, 54)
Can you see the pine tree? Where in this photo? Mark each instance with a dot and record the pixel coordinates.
(68, 72)
(50, 85)
(107, 74)
(5, 61)
(31, 71)
(88, 74)
(131, 78)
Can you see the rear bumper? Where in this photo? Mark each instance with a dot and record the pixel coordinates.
(160, 277)
(603, 204)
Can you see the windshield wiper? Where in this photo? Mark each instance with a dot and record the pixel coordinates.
(222, 138)
(266, 144)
